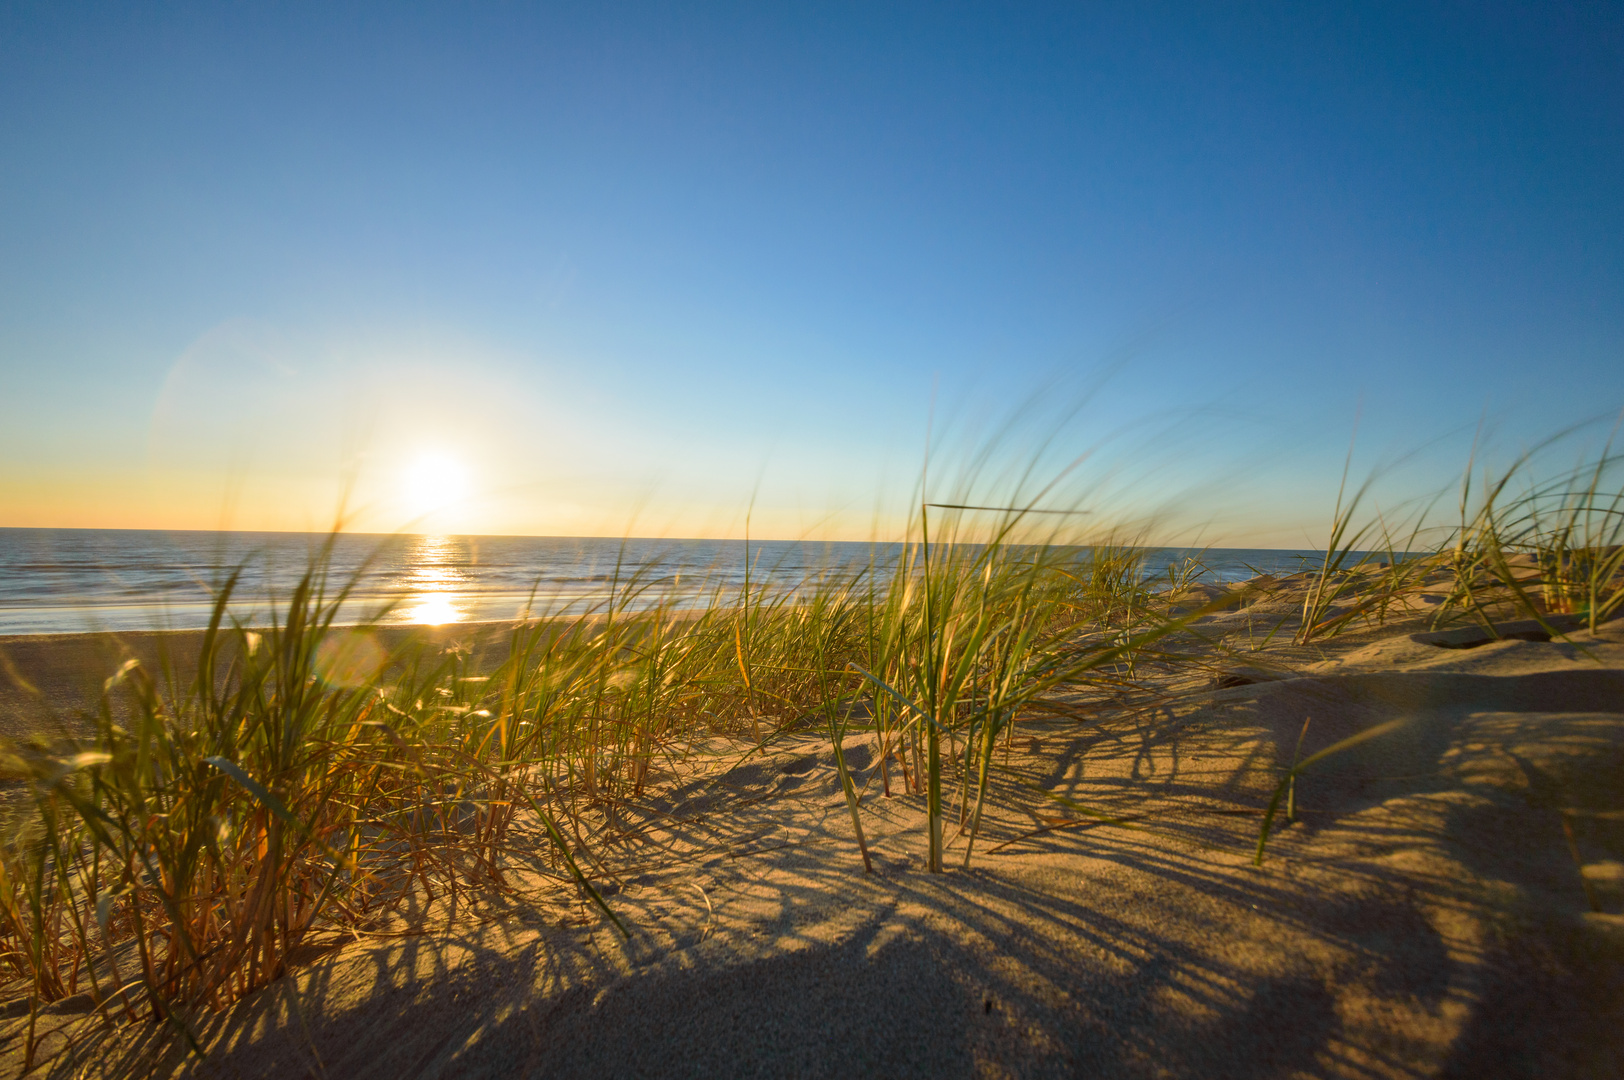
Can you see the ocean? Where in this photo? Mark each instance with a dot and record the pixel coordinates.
(78, 580)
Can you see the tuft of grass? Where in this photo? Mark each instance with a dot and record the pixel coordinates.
(301, 780)
(1530, 543)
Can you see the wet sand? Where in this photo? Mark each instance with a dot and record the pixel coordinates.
(46, 680)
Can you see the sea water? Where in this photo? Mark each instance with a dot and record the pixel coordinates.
(76, 580)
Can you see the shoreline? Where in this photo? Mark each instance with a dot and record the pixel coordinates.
(68, 669)
(500, 595)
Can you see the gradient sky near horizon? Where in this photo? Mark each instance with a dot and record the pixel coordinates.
(615, 267)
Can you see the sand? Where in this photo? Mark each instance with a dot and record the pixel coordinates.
(46, 680)
(1423, 916)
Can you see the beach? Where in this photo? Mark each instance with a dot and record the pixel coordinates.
(914, 541)
(1444, 902)
(48, 680)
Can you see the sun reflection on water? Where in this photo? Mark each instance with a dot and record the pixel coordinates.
(434, 576)
(433, 611)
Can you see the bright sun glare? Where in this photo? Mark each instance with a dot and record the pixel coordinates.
(434, 611)
(433, 480)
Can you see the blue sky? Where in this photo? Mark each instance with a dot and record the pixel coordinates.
(625, 266)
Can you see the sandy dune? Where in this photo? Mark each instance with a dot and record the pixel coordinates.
(1423, 916)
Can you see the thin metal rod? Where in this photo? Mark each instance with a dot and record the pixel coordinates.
(1005, 509)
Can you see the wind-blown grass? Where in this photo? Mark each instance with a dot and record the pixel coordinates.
(305, 778)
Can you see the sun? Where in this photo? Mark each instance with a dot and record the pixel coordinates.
(433, 480)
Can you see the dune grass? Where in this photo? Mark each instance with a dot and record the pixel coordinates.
(305, 779)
